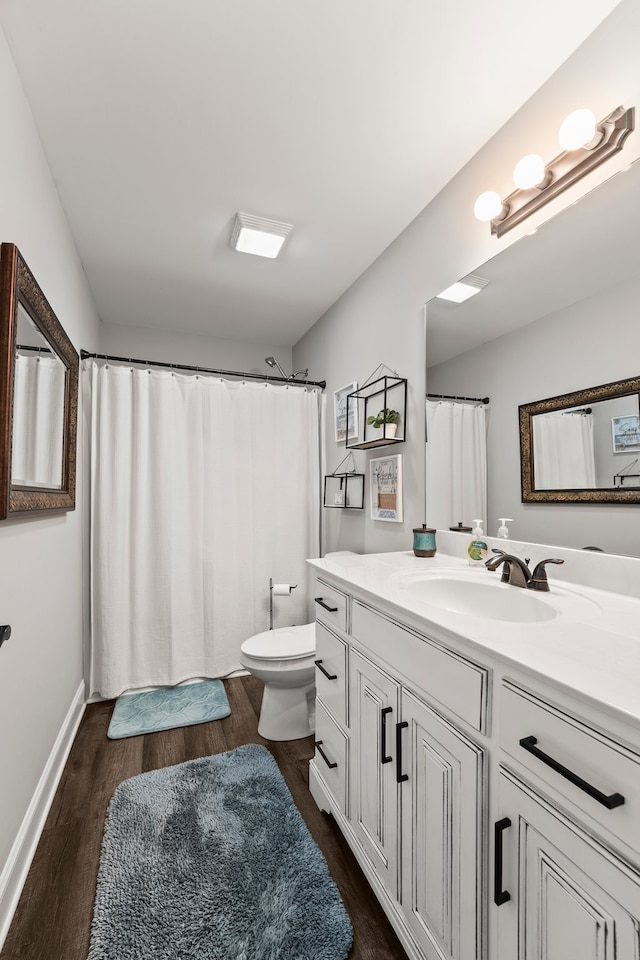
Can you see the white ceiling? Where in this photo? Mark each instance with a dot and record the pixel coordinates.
(161, 119)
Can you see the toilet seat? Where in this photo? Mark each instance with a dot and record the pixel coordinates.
(285, 643)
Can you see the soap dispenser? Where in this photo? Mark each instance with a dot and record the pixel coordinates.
(503, 529)
(477, 548)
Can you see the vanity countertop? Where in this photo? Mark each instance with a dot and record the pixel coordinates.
(591, 647)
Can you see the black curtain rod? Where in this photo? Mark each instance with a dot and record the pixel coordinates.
(24, 346)
(85, 355)
(446, 396)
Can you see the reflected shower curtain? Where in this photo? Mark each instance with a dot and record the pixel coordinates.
(565, 457)
(201, 490)
(38, 412)
(456, 463)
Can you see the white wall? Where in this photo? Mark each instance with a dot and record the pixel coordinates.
(380, 318)
(144, 343)
(41, 559)
(568, 350)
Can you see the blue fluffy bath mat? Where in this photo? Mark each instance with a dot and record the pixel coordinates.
(169, 707)
(211, 859)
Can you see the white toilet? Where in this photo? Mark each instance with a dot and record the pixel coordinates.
(284, 659)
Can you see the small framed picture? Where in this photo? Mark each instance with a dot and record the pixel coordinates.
(386, 488)
(345, 430)
(625, 432)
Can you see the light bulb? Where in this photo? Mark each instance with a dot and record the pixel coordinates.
(577, 129)
(488, 205)
(529, 172)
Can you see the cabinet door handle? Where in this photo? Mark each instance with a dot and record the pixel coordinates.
(610, 801)
(324, 756)
(329, 676)
(500, 896)
(400, 777)
(325, 605)
(384, 757)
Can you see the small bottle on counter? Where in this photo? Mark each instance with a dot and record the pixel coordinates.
(424, 541)
(477, 547)
(503, 529)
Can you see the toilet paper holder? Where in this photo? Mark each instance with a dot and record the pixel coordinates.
(280, 590)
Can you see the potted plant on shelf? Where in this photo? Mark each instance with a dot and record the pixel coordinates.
(385, 418)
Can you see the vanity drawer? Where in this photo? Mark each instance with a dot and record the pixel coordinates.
(576, 760)
(331, 672)
(332, 606)
(331, 756)
(433, 668)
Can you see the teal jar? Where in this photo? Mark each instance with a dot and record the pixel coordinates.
(424, 541)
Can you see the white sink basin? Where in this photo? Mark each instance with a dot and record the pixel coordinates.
(488, 599)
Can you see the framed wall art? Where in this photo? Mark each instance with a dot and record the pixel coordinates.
(625, 432)
(345, 430)
(386, 488)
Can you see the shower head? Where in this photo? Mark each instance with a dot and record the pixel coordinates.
(272, 362)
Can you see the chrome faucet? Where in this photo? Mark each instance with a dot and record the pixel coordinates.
(517, 572)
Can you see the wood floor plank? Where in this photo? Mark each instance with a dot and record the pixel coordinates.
(53, 918)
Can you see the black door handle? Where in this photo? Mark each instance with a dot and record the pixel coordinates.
(500, 896)
(384, 758)
(324, 756)
(609, 801)
(329, 676)
(325, 605)
(400, 777)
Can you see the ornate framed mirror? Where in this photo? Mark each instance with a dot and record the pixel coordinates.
(38, 398)
(582, 447)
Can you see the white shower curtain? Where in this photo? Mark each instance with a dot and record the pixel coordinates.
(38, 416)
(456, 463)
(564, 451)
(201, 490)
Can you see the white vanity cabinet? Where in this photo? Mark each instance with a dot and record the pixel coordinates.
(562, 893)
(415, 808)
(561, 887)
(494, 809)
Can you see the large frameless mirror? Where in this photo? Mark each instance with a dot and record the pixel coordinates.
(39, 401)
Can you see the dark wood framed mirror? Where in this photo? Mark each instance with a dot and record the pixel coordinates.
(38, 399)
(582, 447)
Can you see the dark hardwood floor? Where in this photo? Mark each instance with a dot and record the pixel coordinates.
(53, 919)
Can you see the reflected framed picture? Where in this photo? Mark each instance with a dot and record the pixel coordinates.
(625, 432)
(345, 430)
(385, 475)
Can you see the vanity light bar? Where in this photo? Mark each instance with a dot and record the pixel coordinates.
(605, 139)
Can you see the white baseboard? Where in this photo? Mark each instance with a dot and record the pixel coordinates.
(15, 871)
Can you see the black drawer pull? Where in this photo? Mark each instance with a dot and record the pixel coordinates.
(400, 777)
(500, 896)
(611, 801)
(325, 605)
(324, 756)
(384, 758)
(329, 676)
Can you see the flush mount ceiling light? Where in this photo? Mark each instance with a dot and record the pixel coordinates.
(259, 236)
(463, 289)
(585, 145)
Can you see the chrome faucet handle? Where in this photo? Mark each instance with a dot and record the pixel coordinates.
(539, 576)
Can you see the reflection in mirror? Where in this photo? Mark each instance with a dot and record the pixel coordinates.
(557, 312)
(38, 409)
(582, 447)
(39, 397)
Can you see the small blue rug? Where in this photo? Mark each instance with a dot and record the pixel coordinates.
(211, 859)
(169, 707)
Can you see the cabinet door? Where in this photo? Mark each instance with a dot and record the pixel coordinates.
(443, 803)
(374, 700)
(570, 898)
